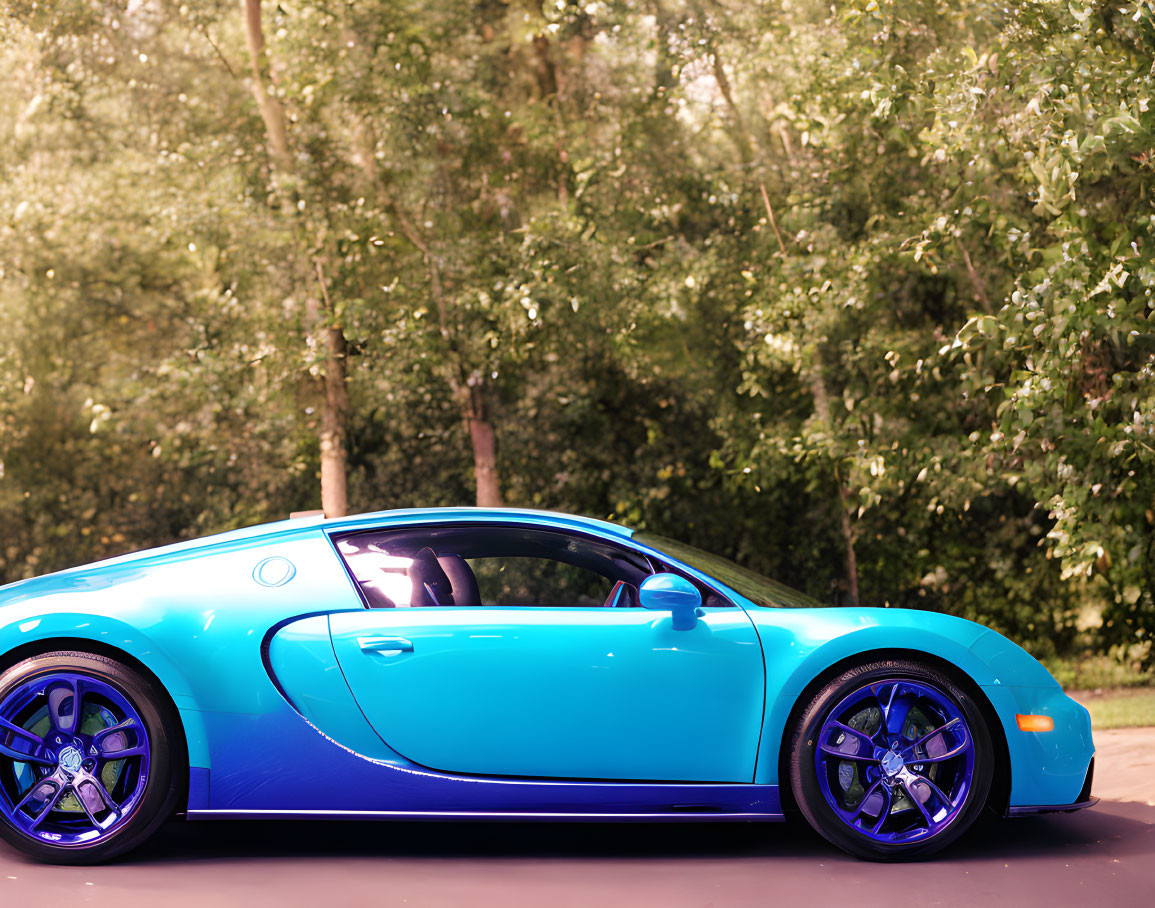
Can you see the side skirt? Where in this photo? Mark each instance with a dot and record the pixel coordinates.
(673, 816)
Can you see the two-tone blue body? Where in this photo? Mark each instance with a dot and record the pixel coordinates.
(297, 699)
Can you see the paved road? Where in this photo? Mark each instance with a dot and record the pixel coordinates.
(1102, 857)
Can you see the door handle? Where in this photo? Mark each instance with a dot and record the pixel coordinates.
(386, 646)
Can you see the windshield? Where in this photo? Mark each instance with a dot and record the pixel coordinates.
(758, 589)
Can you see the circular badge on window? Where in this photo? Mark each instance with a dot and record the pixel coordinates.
(274, 571)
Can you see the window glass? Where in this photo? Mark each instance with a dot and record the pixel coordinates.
(758, 589)
(491, 566)
(538, 581)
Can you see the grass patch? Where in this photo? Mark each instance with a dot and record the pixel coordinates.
(1125, 708)
(1092, 673)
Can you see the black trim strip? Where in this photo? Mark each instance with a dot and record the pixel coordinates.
(1050, 808)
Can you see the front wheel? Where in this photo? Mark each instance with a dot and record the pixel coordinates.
(89, 762)
(891, 761)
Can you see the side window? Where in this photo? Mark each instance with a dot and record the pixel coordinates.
(538, 581)
(491, 566)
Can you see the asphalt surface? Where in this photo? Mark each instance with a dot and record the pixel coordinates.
(1104, 856)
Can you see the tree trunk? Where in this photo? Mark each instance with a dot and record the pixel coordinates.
(848, 537)
(334, 496)
(469, 393)
(271, 111)
(483, 439)
(846, 522)
(322, 325)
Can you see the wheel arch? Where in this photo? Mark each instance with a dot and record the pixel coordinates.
(187, 721)
(999, 795)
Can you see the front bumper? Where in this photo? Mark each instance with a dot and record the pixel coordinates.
(1049, 770)
(1084, 800)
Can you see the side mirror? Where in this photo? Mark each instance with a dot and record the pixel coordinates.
(673, 594)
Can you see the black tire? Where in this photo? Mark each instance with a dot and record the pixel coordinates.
(803, 772)
(164, 782)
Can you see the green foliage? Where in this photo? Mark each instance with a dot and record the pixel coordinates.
(782, 279)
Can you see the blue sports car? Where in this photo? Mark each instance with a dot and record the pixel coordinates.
(503, 664)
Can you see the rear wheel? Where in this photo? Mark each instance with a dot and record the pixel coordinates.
(891, 761)
(89, 765)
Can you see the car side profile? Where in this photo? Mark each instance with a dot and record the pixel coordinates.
(503, 664)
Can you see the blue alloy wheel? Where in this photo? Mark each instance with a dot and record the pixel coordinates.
(892, 761)
(85, 765)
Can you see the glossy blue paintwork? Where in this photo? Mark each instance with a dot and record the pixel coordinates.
(307, 772)
(302, 662)
(241, 648)
(673, 594)
(585, 693)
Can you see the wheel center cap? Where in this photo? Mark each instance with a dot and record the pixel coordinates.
(891, 763)
(70, 759)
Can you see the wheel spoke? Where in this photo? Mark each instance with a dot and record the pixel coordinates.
(930, 734)
(50, 806)
(109, 751)
(112, 729)
(893, 714)
(885, 789)
(124, 752)
(21, 757)
(960, 748)
(913, 798)
(936, 791)
(833, 751)
(884, 702)
(64, 705)
(30, 794)
(854, 732)
(105, 797)
(866, 797)
(24, 733)
(83, 803)
(899, 713)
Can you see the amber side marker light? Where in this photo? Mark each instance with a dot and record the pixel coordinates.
(1035, 723)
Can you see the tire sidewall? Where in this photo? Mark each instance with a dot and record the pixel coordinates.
(164, 737)
(804, 775)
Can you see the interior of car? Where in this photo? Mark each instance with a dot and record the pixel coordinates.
(491, 566)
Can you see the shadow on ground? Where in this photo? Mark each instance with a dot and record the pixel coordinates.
(1112, 829)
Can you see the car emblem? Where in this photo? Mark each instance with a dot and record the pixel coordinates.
(70, 759)
(892, 763)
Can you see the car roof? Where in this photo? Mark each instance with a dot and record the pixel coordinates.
(300, 526)
(354, 522)
(473, 515)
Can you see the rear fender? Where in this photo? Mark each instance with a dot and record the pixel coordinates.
(73, 628)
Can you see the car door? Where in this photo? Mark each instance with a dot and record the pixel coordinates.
(568, 688)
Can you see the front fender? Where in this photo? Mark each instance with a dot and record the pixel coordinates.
(801, 644)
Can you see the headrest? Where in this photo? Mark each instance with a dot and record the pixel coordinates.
(431, 586)
(460, 574)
